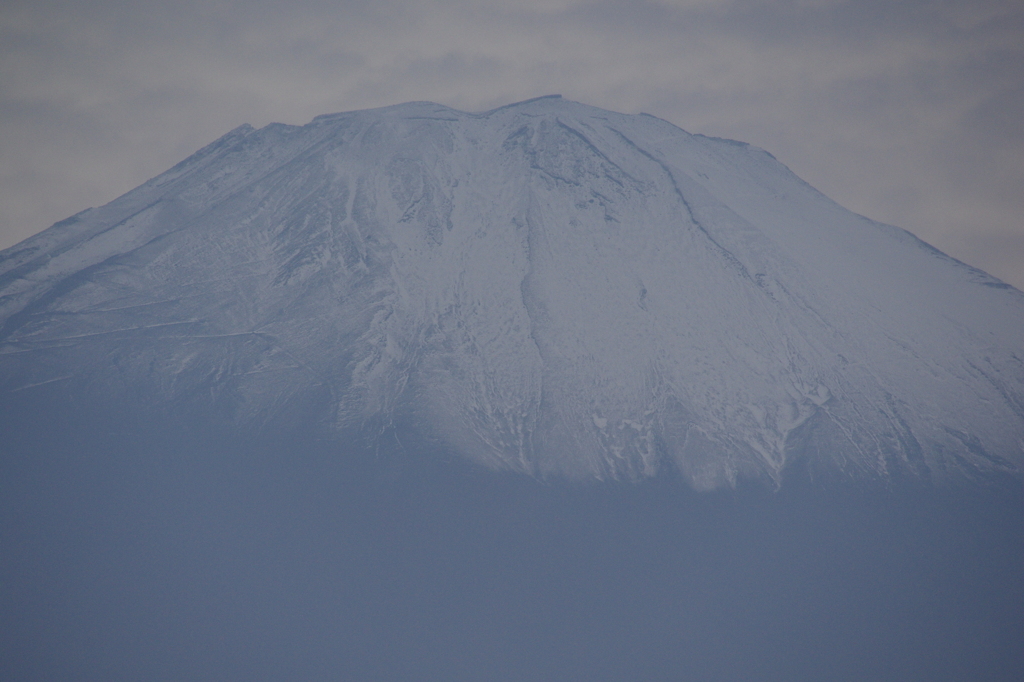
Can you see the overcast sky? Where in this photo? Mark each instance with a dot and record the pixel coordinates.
(911, 113)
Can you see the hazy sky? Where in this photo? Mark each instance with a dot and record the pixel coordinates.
(911, 112)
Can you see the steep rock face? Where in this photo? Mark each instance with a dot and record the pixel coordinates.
(548, 287)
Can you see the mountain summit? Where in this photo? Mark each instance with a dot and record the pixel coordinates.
(548, 287)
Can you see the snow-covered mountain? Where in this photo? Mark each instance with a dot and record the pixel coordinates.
(547, 287)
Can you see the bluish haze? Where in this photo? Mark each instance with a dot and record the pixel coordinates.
(137, 548)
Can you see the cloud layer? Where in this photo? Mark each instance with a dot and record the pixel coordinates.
(908, 113)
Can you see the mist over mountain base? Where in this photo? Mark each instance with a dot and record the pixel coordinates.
(134, 548)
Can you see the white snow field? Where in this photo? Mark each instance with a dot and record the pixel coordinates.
(548, 287)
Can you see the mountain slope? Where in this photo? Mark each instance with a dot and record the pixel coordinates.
(548, 287)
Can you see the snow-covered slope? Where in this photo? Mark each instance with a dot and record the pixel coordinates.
(547, 287)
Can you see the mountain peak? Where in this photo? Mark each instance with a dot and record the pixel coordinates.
(545, 287)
